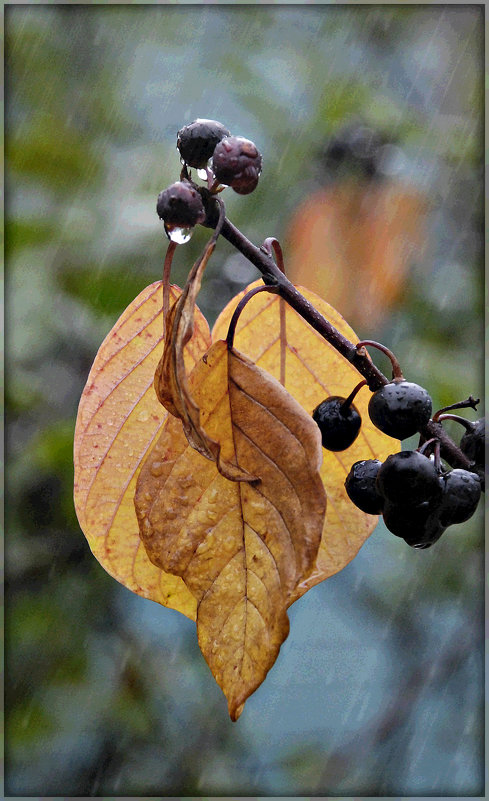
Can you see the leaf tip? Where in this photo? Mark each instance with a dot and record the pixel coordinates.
(235, 710)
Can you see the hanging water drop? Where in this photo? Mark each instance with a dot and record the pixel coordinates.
(178, 233)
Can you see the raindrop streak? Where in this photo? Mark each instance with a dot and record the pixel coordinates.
(178, 234)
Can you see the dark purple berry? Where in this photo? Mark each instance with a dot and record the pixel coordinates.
(461, 493)
(473, 442)
(408, 478)
(180, 205)
(400, 408)
(339, 425)
(237, 163)
(196, 142)
(361, 486)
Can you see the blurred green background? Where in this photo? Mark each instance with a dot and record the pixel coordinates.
(379, 688)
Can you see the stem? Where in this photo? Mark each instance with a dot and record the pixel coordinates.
(271, 243)
(349, 400)
(239, 308)
(470, 402)
(396, 367)
(166, 281)
(440, 417)
(375, 379)
(271, 246)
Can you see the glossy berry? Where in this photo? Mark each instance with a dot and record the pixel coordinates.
(461, 494)
(180, 204)
(473, 442)
(419, 525)
(339, 426)
(361, 486)
(237, 163)
(400, 408)
(196, 142)
(407, 478)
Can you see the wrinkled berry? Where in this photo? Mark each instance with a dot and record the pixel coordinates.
(196, 142)
(361, 486)
(237, 163)
(180, 204)
(461, 494)
(400, 408)
(339, 426)
(407, 478)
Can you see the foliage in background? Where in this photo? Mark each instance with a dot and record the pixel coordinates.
(94, 98)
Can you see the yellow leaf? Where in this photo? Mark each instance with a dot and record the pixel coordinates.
(119, 418)
(313, 371)
(241, 548)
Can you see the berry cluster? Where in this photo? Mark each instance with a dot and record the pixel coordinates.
(417, 500)
(416, 497)
(225, 160)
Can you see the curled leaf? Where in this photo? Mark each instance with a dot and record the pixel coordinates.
(242, 548)
(171, 382)
(314, 370)
(118, 420)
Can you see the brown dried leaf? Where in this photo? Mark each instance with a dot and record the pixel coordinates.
(118, 420)
(313, 371)
(241, 548)
(171, 382)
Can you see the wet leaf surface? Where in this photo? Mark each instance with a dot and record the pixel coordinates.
(242, 548)
(313, 371)
(119, 418)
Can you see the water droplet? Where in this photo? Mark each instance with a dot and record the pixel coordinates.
(212, 516)
(147, 527)
(171, 514)
(143, 417)
(178, 234)
(157, 468)
(212, 495)
(185, 481)
(202, 173)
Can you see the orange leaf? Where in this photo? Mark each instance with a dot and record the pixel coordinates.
(313, 371)
(118, 420)
(241, 548)
(355, 244)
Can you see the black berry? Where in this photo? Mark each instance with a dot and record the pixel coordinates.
(419, 525)
(196, 142)
(407, 478)
(400, 408)
(339, 424)
(361, 486)
(461, 493)
(180, 205)
(473, 442)
(237, 163)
